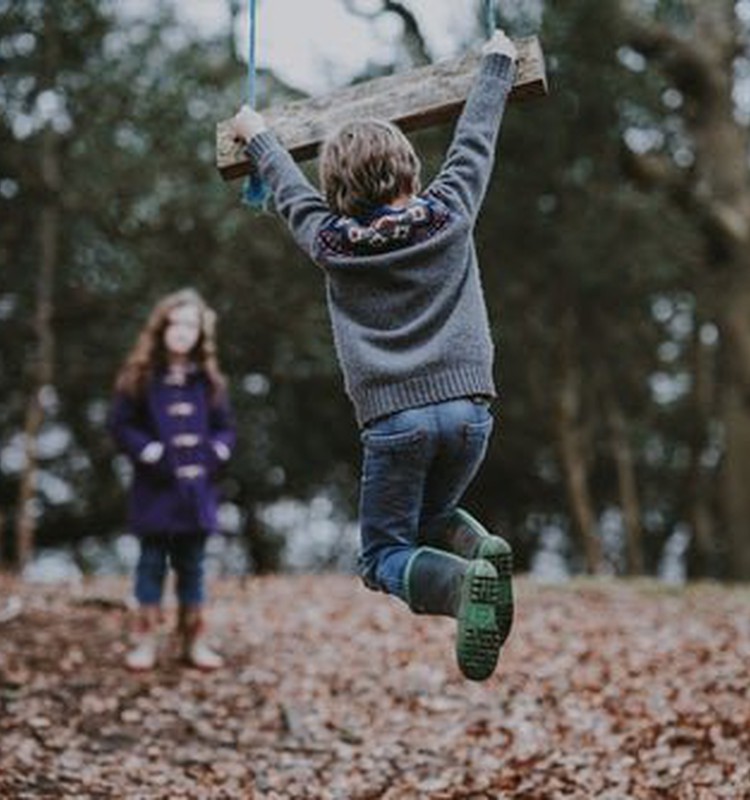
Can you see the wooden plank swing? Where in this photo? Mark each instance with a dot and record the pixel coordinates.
(413, 100)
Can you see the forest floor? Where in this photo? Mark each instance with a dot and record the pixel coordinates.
(606, 689)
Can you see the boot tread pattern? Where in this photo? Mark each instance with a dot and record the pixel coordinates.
(503, 563)
(479, 635)
(485, 589)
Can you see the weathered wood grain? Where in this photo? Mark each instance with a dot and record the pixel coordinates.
(413, 100)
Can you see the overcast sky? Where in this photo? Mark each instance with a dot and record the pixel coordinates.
(316, 44)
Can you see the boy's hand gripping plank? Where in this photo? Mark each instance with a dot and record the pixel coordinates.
(413, 100)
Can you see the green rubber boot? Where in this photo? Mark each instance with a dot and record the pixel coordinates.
(444, 584)
(468, 538)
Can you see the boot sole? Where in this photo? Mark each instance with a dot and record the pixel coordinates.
(498, 553)
(478, 638)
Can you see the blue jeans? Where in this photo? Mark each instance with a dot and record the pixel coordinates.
(184, 552)
(417, 464)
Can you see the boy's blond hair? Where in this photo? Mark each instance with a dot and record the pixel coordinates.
(366, 164)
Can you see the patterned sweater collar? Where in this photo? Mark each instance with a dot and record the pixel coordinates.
(386, 229)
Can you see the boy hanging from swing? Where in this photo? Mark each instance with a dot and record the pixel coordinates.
(412, 337)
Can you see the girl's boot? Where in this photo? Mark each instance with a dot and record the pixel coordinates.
(468, 538)
(195, 649)
(145, 652)
(444, 584)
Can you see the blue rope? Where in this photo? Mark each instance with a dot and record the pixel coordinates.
(489, 17)
(252, 16)
(255, 193)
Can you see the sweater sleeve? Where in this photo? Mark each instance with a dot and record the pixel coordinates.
(297, 201)
(466, 170)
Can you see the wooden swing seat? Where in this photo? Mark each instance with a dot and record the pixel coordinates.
(413, 100)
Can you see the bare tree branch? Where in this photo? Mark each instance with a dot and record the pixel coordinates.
(414, 41)
(654, 171)
(687, 64)
(725, 226)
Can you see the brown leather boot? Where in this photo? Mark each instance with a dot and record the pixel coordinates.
(145, 653)
(195, 649)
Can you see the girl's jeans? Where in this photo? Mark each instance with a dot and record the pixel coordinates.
(417, 464)
(184, 552)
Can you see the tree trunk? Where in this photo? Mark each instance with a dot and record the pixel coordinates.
(572, 448)
(736, 419)
(42, 364)
(622, 453)
(722, 181)
(42, 369)
(702, 558)
(702, 68)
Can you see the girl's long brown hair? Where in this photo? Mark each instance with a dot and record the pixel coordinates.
(149, 354)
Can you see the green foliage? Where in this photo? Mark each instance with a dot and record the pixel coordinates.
(563, 236)
(145, 212)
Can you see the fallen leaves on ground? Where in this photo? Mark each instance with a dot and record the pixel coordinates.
(607, 690)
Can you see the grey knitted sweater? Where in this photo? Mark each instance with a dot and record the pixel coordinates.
(403, 286)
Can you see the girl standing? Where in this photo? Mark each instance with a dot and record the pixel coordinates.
(171, 417)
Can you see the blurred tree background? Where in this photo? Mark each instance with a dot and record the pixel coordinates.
(614, 246)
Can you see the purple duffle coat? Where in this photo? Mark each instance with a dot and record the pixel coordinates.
(178, 493)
